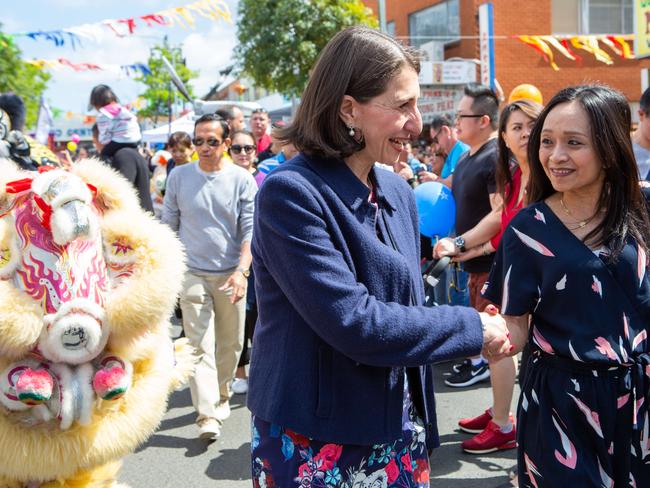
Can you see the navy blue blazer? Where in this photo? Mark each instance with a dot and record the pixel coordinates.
(340, 311)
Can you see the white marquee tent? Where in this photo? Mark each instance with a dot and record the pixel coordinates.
(161, 133)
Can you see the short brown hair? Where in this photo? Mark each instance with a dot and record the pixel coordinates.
(179, 138)
(359, 62)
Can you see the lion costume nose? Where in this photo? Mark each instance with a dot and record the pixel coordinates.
(75, 334)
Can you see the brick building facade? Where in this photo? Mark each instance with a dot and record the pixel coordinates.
(516, 62)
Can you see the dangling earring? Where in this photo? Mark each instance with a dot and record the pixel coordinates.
(351, 131)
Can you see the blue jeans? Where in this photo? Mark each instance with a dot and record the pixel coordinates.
(452, 287)
(457, 289)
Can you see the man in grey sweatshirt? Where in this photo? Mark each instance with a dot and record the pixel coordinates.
(210, 204)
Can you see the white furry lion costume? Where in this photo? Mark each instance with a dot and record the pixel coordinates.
(87, 284)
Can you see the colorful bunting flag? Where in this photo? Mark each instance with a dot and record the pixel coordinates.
(567, 53)
(183, 16)
(127, 69)
(623, 48)
(539, 45)
(618, 44)
(590, 44)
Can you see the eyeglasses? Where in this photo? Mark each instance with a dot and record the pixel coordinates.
(237, 149)
(469, 116)
(259, 111)
(199, 141)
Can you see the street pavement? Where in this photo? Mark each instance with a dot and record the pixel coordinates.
(174, 457)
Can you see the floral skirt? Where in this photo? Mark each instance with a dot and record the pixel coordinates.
(283, 458)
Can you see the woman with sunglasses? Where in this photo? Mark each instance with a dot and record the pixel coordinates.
(243, 150)
(244, 154)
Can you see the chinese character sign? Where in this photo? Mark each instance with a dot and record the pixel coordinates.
(642, 28)
(486, 43)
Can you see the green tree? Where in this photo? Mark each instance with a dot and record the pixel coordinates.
(279, 40)
(158, 83)
(23, 79)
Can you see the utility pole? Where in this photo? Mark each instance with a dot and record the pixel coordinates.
(169, 89)
(382, 15)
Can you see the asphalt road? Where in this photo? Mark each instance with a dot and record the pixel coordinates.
(174, 457)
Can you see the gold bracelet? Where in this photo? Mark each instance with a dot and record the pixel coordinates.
(486, 252)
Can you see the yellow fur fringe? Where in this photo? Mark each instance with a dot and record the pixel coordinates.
(138, 311)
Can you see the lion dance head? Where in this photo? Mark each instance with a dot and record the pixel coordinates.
(88, 282)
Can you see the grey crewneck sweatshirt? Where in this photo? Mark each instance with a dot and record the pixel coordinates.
(212, 213)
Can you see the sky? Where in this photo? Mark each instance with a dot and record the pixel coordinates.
(207, 48)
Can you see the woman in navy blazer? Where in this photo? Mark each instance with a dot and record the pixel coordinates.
(341, 386)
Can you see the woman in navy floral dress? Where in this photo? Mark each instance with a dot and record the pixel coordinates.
(571, 278)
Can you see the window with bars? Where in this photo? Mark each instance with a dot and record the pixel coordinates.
(593, 16)
(390, 28)
(440, 23)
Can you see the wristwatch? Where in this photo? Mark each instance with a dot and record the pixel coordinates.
(459, 242)
(245, 271)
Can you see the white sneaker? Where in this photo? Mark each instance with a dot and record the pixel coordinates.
(209, 428)
(239, 386)
(222, 412)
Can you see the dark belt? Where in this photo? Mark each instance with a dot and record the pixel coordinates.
(635, 376)
(639, 372)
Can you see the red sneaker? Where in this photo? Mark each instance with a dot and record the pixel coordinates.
(475, 425)
(490, 440)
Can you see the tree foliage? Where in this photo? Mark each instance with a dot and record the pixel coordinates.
(158, 83)
(279, 40)
(23, 79)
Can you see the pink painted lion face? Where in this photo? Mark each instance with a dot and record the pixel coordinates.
(56, 257)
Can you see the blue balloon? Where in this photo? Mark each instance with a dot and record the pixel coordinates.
(436, 208)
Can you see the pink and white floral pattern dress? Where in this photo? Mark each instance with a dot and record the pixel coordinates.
(583, 410)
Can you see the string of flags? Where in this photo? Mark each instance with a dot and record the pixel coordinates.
(567, 46)
(184, 16)
(126, 69)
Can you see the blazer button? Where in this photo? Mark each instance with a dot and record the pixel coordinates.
(430, 426)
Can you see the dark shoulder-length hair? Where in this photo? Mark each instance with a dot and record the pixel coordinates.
(504, 155)
(610, 121)
(359, 62)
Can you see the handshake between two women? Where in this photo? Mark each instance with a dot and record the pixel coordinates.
(496, 337)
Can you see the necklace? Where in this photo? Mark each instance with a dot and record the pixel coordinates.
(578, 224)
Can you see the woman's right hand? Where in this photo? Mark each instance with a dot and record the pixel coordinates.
(496, 338)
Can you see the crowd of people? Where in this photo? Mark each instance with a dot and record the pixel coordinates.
(304, 259)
